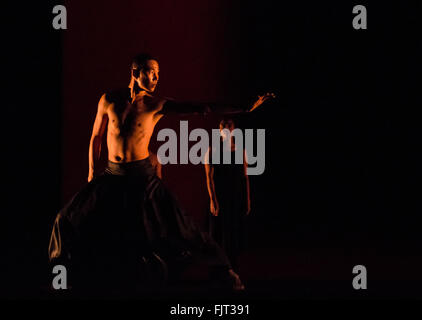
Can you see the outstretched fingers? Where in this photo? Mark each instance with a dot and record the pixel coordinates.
(267, 96)
(261, 100)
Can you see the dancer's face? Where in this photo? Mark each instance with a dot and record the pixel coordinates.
(229, 125)
(148, 77)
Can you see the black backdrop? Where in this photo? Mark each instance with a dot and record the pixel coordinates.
(342, 178)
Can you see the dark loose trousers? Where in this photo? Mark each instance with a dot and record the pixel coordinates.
(124, 229)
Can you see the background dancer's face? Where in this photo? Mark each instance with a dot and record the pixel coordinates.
(148, 76)
(229, 125)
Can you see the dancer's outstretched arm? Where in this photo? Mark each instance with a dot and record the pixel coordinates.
(170, 106)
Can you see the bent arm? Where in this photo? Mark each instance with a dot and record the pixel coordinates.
(209, 175)
(98, 131)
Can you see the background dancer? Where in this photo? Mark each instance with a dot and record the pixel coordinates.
(228, 188)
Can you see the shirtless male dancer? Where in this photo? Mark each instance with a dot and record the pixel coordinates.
(126, 209)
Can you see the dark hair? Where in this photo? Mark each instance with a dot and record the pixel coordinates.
(140, 60)
(226, 121)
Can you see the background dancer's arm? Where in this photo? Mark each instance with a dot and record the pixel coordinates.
(98, 131)
(209, 174)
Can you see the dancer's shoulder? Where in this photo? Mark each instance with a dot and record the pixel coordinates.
(118, 96)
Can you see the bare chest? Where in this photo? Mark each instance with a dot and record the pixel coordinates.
(130, 118)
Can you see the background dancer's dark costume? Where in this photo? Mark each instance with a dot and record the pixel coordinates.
(229, 227)
(124, 229)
